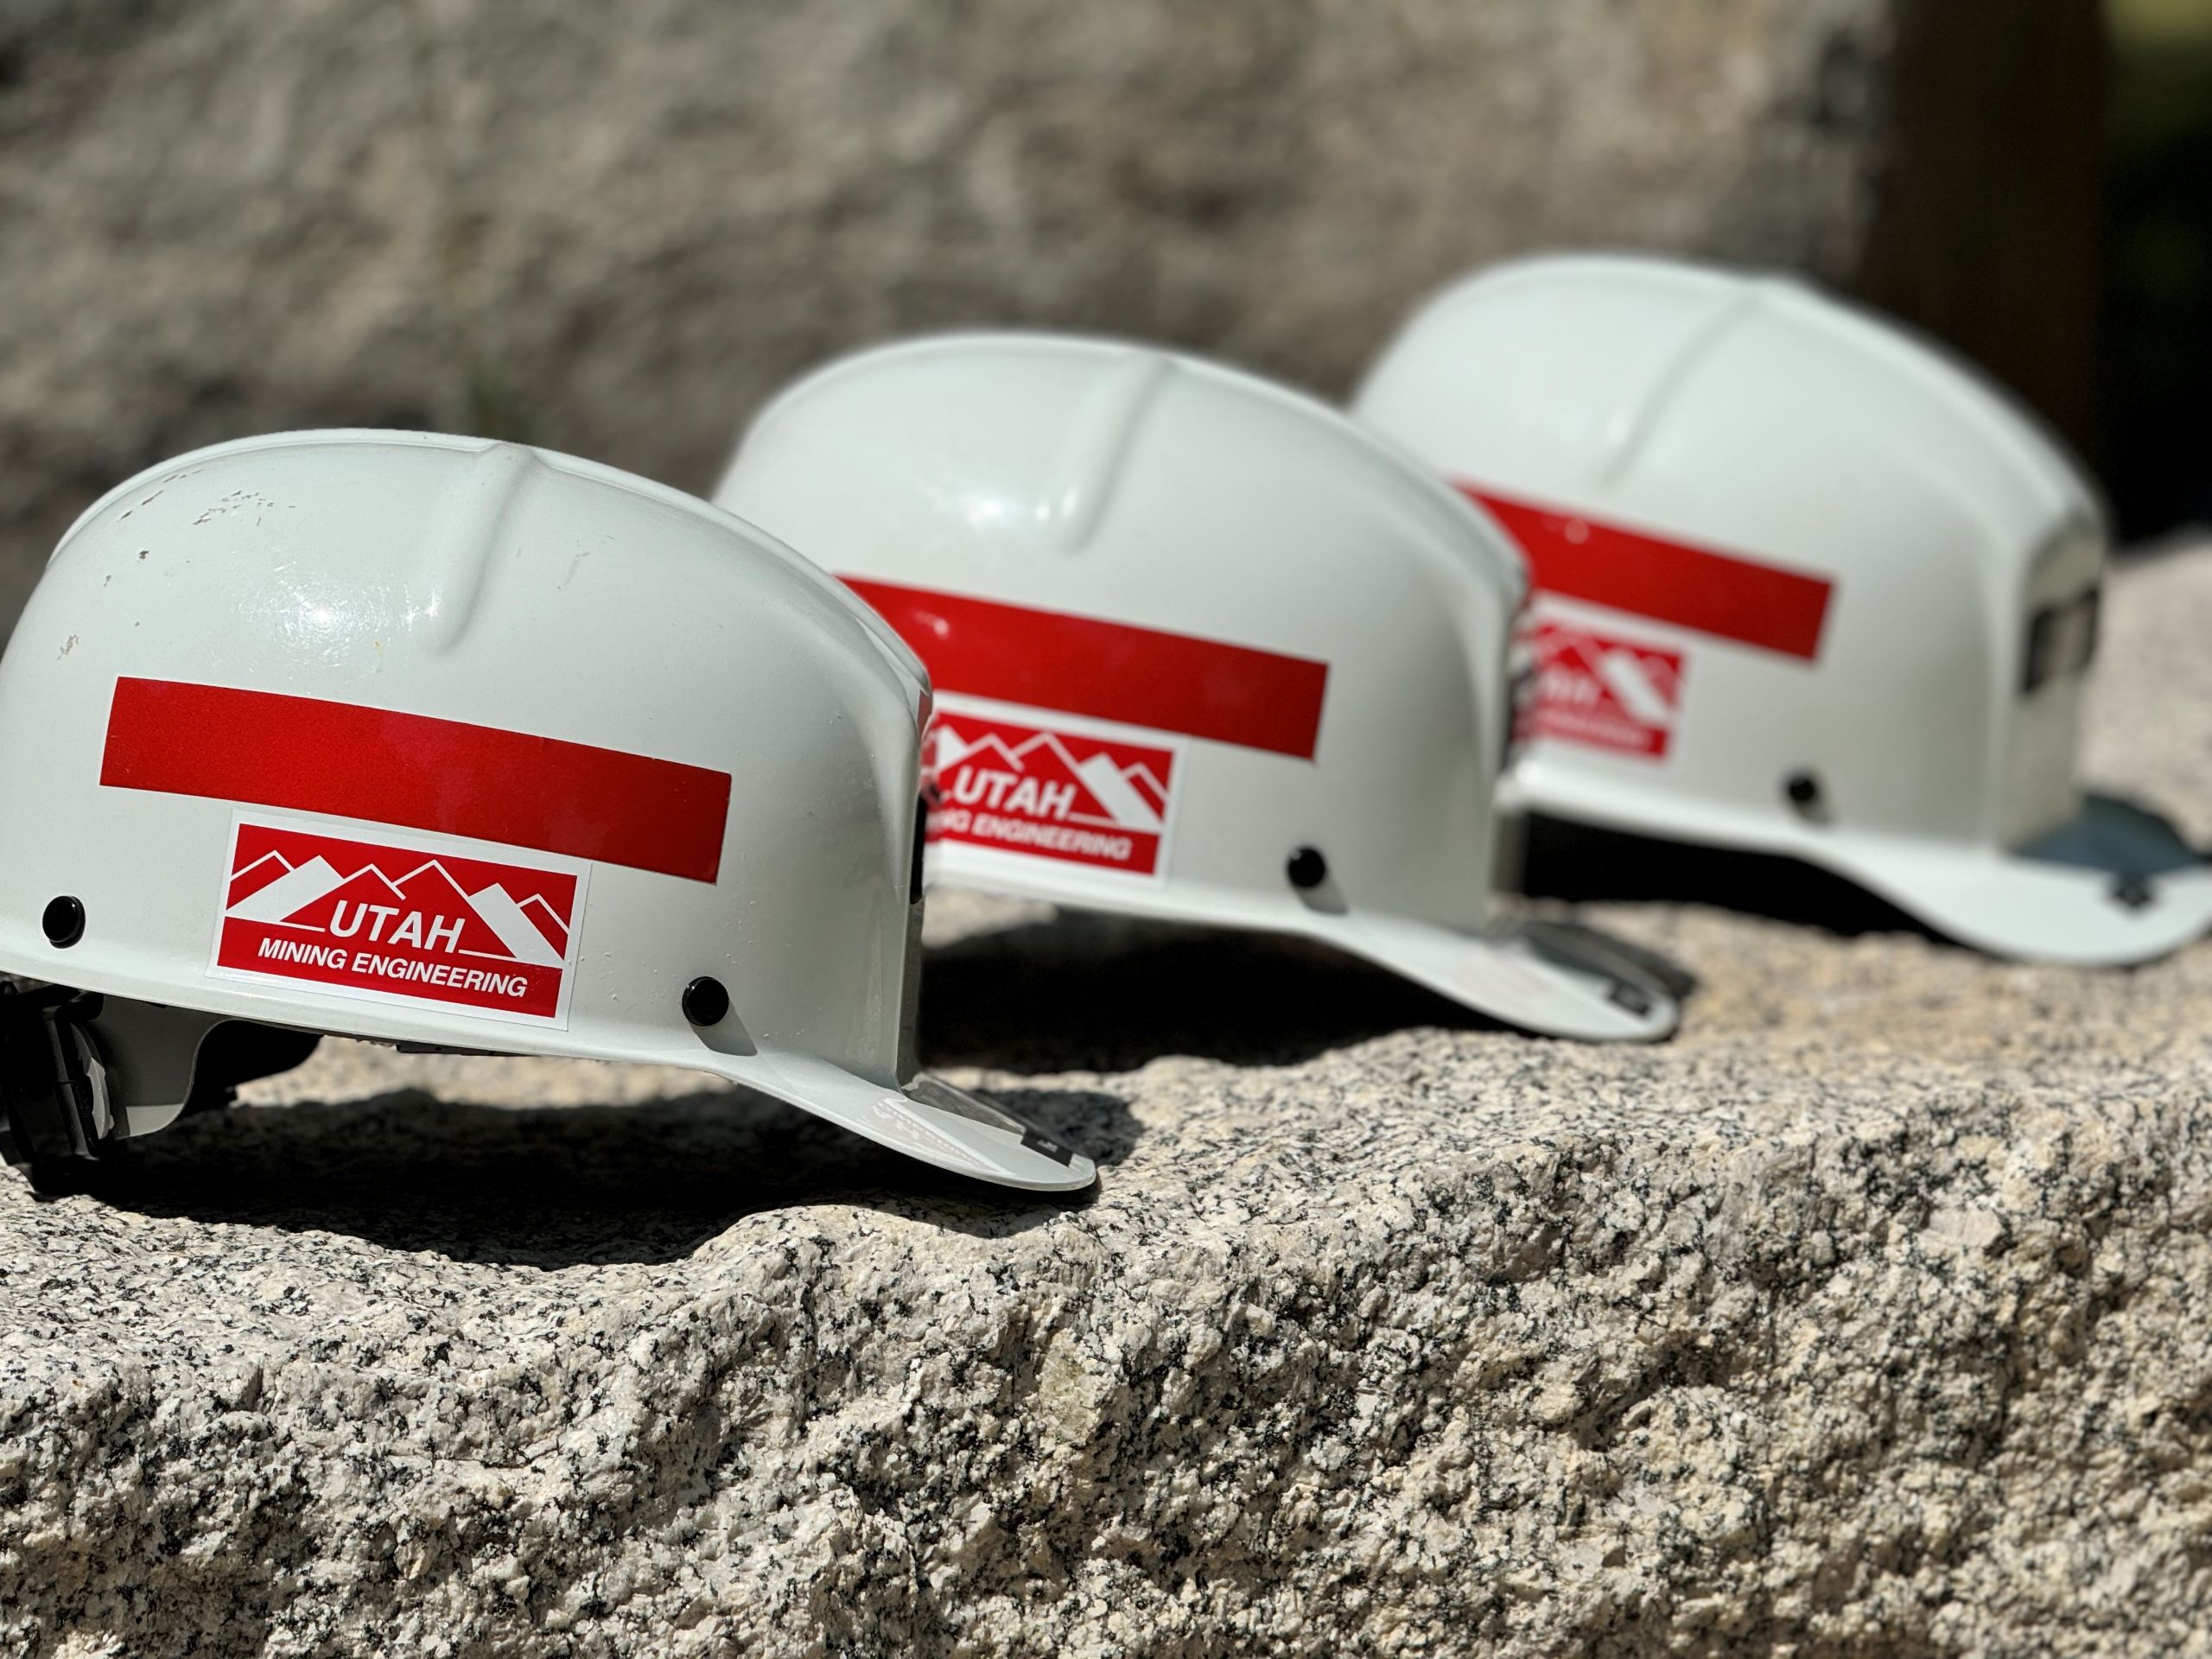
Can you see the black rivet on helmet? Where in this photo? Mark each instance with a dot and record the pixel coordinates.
(705, 1002)
(1307, 869)
(64, 921)
(2131, 892)
(1803, 790)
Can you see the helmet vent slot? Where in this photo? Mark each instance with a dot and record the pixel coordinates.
(917, 852)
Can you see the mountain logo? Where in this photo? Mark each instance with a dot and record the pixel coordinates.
(1044, 791)
(1602, 691)
(395, 919)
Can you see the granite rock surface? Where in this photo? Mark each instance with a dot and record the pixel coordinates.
(1872, 1316)
(616, 229)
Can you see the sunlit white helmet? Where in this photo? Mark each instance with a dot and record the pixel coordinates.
(1204, 651)
(1805, 586)
(434, 740)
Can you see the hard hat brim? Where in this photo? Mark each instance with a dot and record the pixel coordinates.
(2113, 887)
(2107, 890)
(1546, 978)
(1553, 980)
(1543, 978)
(927, 1119)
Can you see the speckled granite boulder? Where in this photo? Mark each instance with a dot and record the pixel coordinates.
(1872, 1316)
(615, 229)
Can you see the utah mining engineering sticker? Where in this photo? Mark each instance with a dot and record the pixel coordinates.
(398, 918)
(1035, 787)
(1605, 691)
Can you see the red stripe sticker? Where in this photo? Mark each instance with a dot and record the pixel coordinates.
(1108, 671)
(379, 766)
(1719, 593)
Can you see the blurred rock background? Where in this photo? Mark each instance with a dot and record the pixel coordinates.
(2156, 335)
(615, 229)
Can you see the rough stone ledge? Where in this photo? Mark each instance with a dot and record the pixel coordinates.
(1871, 1316)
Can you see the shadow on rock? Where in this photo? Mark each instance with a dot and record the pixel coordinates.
(1086, 992)
(1586, 864)
(560, 1186)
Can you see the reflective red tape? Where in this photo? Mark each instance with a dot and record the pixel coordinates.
(1108, 671)
(1719, 593)
(381, 766)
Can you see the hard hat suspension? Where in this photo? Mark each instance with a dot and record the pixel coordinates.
(54, 1096)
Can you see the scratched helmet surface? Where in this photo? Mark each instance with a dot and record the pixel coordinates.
(441, 741)
(1204, 651)
(1804, 586)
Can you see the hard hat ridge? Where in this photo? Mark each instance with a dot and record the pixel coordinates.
(480, 500)
(1634, 423)
(1102, 426)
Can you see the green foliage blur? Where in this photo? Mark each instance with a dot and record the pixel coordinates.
(2157, 278)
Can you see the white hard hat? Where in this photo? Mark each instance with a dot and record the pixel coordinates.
(1204, 651)
(1805, 587)
(441, 741)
